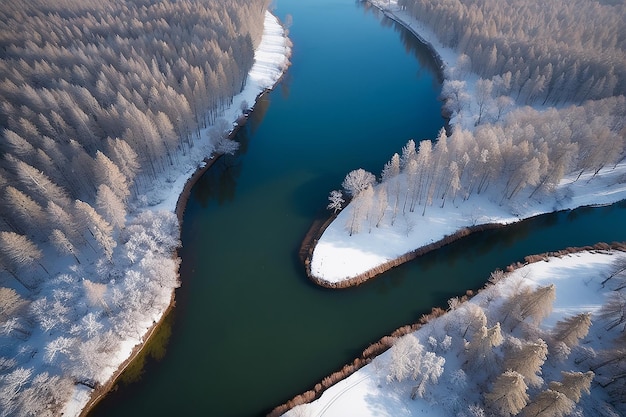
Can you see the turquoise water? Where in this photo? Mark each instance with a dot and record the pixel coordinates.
(249, 330)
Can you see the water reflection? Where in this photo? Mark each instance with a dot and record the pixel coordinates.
(153, 351)
(219, 183)
(412, 45)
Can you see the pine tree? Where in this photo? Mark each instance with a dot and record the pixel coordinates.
(508, 395)
(99, 228)
(536, 304)
(111, 207)
(108, 173)
(18, 254)
(11, 304)
(613, 312)
(26, 213)
(63, 244)
(549, 403)
(527, 358)
(573, 384)
(571, 329)
(480, 350)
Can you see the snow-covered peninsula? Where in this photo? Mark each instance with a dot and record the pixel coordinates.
(346, 254)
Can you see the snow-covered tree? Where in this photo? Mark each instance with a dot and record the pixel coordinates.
(549, 403)
(409, 359)
(480, 352)
(11, 385)
(526, 358)
(46, 396)
(613, 311)
(389, 178)
(62, 244)
(110, 206)
(60, 345)
(471, 319)
(571, 329)
(534, 303)
(19, 253)
(335, 201)
(97, 226)
(573, 384)
(357, 181)
(508, 394)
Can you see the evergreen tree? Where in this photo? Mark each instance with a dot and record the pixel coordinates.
(549, 403)
(571, 329)
(508, 395)
(527, 358)
(573, 384)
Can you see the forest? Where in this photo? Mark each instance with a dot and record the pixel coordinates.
(532, 97)
(99, 98)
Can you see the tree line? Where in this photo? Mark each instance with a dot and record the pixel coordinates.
(564, 51)
(98, 99)
(524, 155)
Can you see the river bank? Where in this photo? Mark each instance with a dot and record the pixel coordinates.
(349, 371)
(271, 62)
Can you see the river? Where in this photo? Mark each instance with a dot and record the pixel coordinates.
(250, 330)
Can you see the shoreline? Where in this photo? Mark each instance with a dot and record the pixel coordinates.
(387, 341)
(317, 229)
(100, 392)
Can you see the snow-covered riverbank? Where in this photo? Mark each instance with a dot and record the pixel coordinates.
(579, 288)
(341, 257)
(271, 60)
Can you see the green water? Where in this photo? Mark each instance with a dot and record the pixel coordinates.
(249, 330)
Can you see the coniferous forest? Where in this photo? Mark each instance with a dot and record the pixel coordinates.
(98, 99)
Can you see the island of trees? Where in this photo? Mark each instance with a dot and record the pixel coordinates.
(101, 99)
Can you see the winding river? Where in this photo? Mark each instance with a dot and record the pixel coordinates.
(249, 330)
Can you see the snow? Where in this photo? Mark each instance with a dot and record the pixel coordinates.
(367, 393)
(271, 59)
(338, 256)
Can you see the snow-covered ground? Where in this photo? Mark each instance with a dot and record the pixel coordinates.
(367, 392)
(339, 257)
(271, 59)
